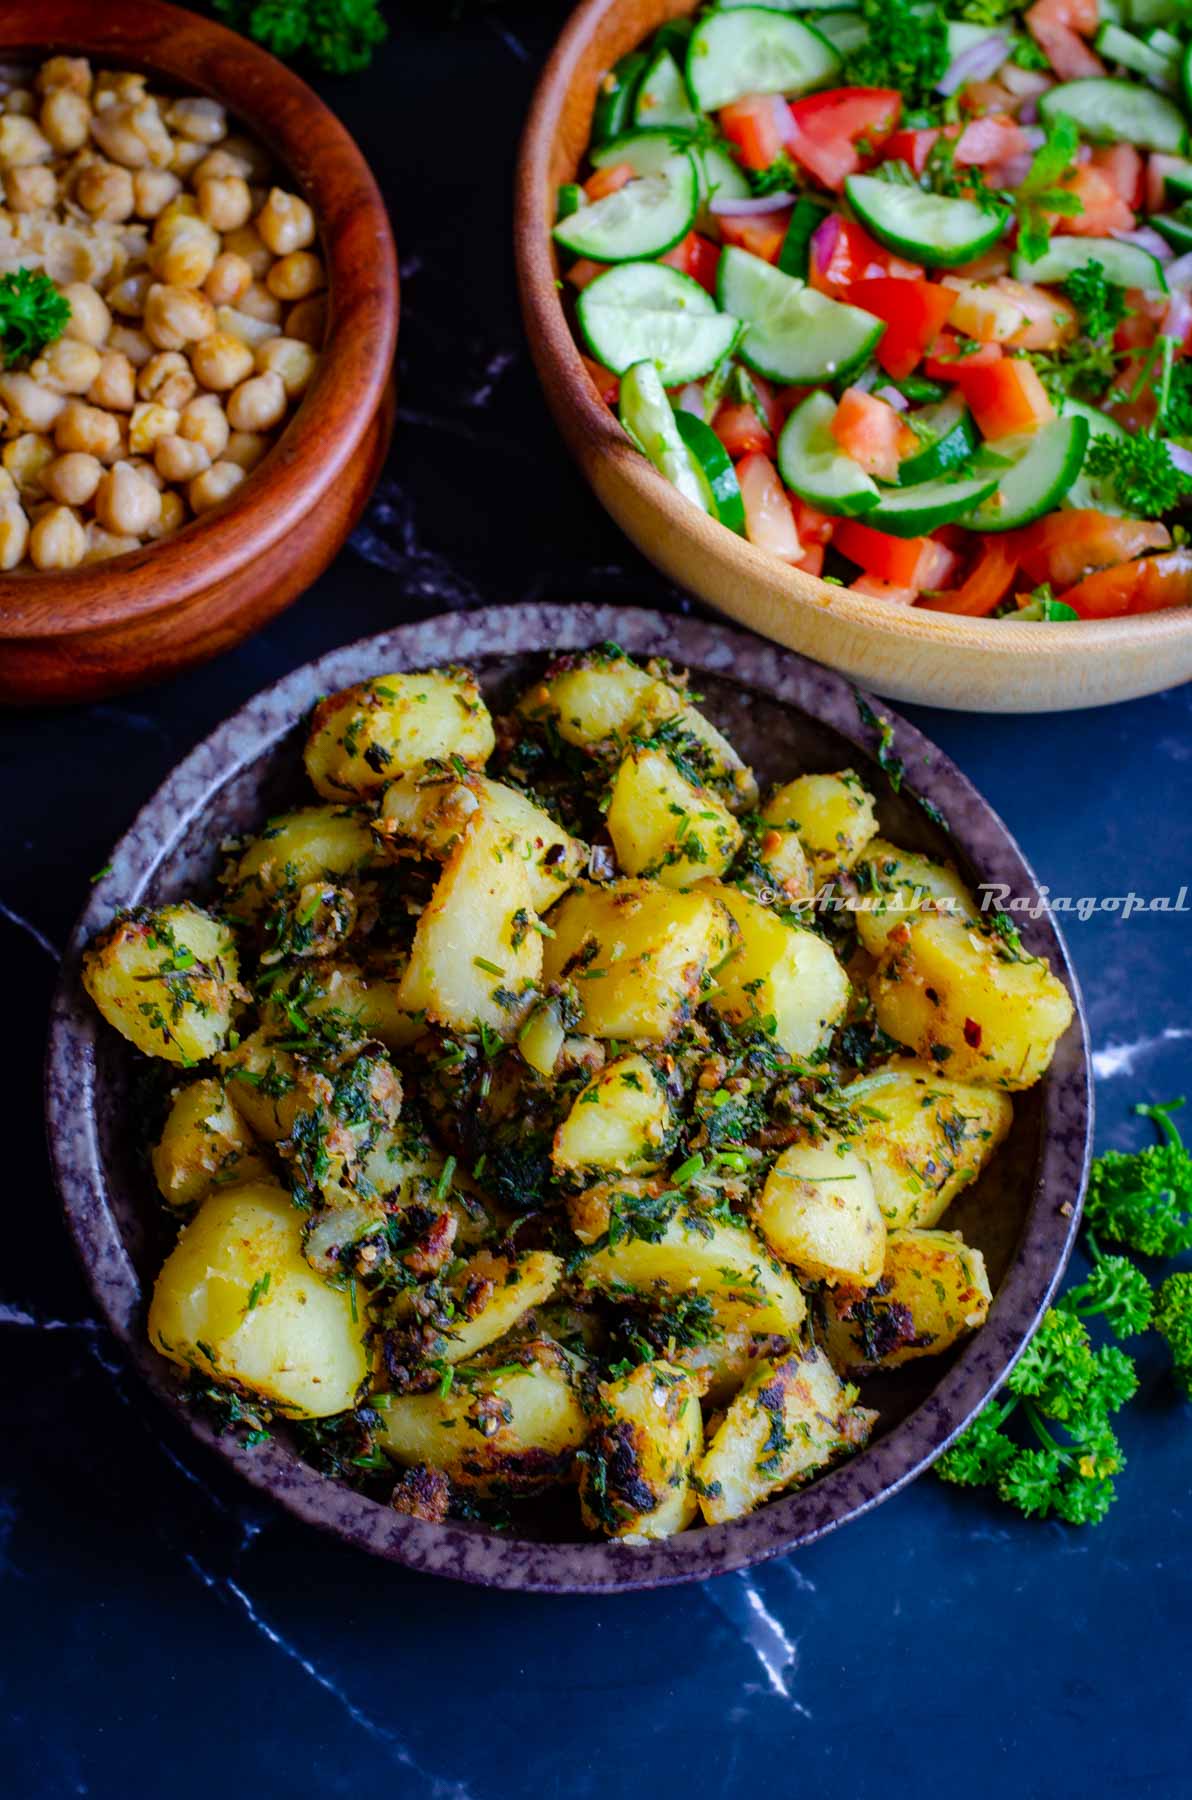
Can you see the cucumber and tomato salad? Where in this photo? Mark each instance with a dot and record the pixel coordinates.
(801, 292)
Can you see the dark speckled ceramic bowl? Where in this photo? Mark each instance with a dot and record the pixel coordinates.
(785, 714)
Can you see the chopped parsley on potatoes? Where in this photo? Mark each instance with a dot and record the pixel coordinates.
(527, 1124)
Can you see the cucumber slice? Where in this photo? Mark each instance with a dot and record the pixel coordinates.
(950, 439)
(644, 218)
(1110, 111)
(1177, 180)
(714, 467)
(615, 96)
(845, 31)
(1140, 13)
(794, 257)
(928, 228)
(647, 416)
(914, 511)
(963, 37)
(1047, 463)
(1165, 42)
(648, 153)
(662, 97)
(1130, 52)
(672, 36)
(1052, 611)
(571, 197)
(813, 465)
(794, 333)
(755, 50)
(722, 177)
(795, 6)
(649, 312)
(1124, 264)
(1094, 492)
(1176, 230)
(1186, 80)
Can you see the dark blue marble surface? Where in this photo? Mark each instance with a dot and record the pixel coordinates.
(164, 1633)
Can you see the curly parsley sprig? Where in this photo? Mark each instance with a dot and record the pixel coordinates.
(32, 314)
(336, 35)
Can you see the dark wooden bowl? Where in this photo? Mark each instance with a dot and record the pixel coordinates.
(976, 665)
(86, 632)
(784, 714)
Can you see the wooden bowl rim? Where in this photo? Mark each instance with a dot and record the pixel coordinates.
(314, 150)
(561, 368)
(474, 1553)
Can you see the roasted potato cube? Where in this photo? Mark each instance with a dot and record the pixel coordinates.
(818, 1212)
(637, 952)
(166, 980)
(790, 1420)
(923, 1137)
(721, 1366)
(491, 1294)
(362, 738)
(694, 1254)
(620, 1124)
(832, 814)
(343, 1003)
(515, 1430)
(954, 994)
(435, 806)
(266, 1086)
(477, 952)
(897, 885)
(780, 972)
(591, 1213)
(204, 1144)
(662, 824)
(933, 1290)
(236, 1299)
(312, 844)
(773, 865)
(636, 1480)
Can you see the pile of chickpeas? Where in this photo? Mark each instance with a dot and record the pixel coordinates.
(194, 334)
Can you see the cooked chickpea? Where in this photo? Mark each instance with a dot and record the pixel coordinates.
(257, 404)
(188, 255)
(22, 141)
(32, 406)
(285, 223)
(150, 421)
(8, 487)
(105, 191)
(246, 449)
(179, 459)
(90, 316)
(229, 278)
(206, 121)
(259, 303)
(132, 133)
(58, 540)
(72, 479)
(214, 485)
(33, 188)
(152, 191)
(255, 158)
(221, 361)
(172, 516)
(186, 157)
(308, 320)
(72, 73)
(128, 295)
(205, 422)
(125, 502)
(112, 85)
(290, 358)
(115, 384)
(295, 276)
(14, 533)
(130, 343)
(26, 459)
(147, 471)
(218, 163)
(22, 101)
(167, 378)
(65, 119)
(89, 428)
(177, 315)
(68, 366)
(248, 244)
(239, 325)
(224, 201)
(101, 544)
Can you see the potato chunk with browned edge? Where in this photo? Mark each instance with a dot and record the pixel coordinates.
(896, 886)
(204, 1144)
(662, 824)
(790, 1419)
(636, 1479)
(295, 848)
(924, 1137)
(236, 1299)
(818, 1212)
(620, 1123)
(832, 814)
(362, 738)
(780, 973)
(933, 1290)
(167, 980)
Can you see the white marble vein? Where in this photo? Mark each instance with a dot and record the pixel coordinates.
(738, 1598)
(1121, 1059)
(31, 930)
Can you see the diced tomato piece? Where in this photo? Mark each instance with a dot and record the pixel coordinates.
(1149, 585)
(872, 433)
(607, 385)
(741, 431)
(1005, 398)
(785, 401)
(769, 521)
(695, 256)
(1081, 16)
(984, 587)
(1102, 208)
(915, 313)
(874, 588)
(911, 147)
(906, 562)
(814, 527)
(1014, 313)
(812, 561)
(831, 161)
(1066, 546)
(981, 99)
(607, 180)
(988, 267)
(986, 141)
(843, 252)
(585, 270)
(833, 132)
(949, 357)
(1123, 168)
(1068, 55)
(758, 126)
(759, 233)
(1158, 168)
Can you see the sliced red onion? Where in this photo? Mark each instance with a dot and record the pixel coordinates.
(1024, 82)
(892, 397)
(1028, 112)
(1035, 135)
(748, 209)
(691, 399)
(1178, 274)
(1177, 320)
(1016, 169)
(1181, 458)
(823, 242)
(977, 64)
(1146, 239)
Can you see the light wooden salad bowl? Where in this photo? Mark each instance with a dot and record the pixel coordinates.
(975, 665)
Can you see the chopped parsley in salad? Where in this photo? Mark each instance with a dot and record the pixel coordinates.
(902, 292)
